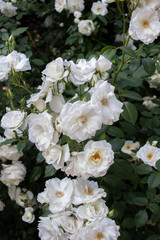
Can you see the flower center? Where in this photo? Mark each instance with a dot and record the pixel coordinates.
(88, 190)
(150, 155)
(83, 119)
(145, 24)
(98, 9)
(60, 4)
(128, 147)
(59, 194)
(104, 101)
(99, 235)
(95, 158)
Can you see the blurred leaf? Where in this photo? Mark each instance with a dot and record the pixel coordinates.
(143, 169)
(149, 66)
(49, 171)
(19, 31)
(115, 132)
(130, 94)
(40, 158)
(129, 51)
(130, 113)
(8, 141)
(154, 180)
(141, 218)
(48, 21)
(36, 173)
(140, 201)
(106, 48)
(38, 62)
(21, 146)
(158, 165)
(117, 144)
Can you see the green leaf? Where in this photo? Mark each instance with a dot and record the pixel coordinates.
(40, 158)
(36, 173)
(48, 21)
(129, 51)
(149, 66)
(8, 141)
(158, 165)
(49, 171)
(130, 94)
(141, 218)
(19, 31)
(122, 169)
(115, 132)
(117, 144)
(109, 53)
(154, 208)
(154, 180)
(130, 113)
(21, 146)
(106, 48)
(38, 62)
(140, 201)
(143, 169)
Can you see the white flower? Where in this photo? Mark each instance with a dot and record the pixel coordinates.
(13, 120)
(86, 191)
(13, 174)
(148, 102)
(60, 5)
(42, 197)
(10, 152)
(74, 166)
(82, 72)
(8, 9)
(86, 27)
(104, 228)
(103, 94)
(149, 154)
(54, 70)
(19, 61)
(75, 5)
(155, 80)
(98, 157)
(28, 215)
(149, 3)
(2, 205)
(80, 120)
(77, 14)
(129, 146)
(41, 130)
(144, 25)
(5, 68)
(99, 8)
(59, 194)
(107, 1)
(103, 64)
(57, 155)
(93, 210)
(57, 103)
(48, 230)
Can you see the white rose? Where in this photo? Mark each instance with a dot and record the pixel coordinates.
(5, 68)
(75, 5)
(86, 27)
(57, 103)
(80, 120)
(99, 8)
(82, 72)
(60, 5)
(129, 146)
(41, 130)
(57, 155)
(54, 70)
(19, 61)
(103, 64)
(77, 14)
(144, 25)
(93, 210)
(42, 197)
(13, 174)
(28, 215)
(103, 94)
(8, 9)
(12, 120)
(147, 102)
(149, 154)
(10, 152)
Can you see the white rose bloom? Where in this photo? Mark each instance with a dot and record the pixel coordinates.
(42, 197)
(74, 166)
(93, 210)
(41, 130)
(147, 102)
(60, 5)
(80, 120)
(86, 191)
(5, 68)
(19, 61)
(10, 152)
(77, 14)
(86, 27)
(149, 3)
(103, 64)
(99, 8)
(103, 94)
(107, 1)
(28, 215)
(75, 5)
(13, 174)
(155, 80)
(144, 25)
(82, 72)
(98, 157)
(2, 205)
(149, 154)
(48, 230)
(57, 155)
(57, 103)
(8, 9)
(40, 105)
(55, 71)
(104, 228)
(13, 120)
(59, 194)
(129, 146)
